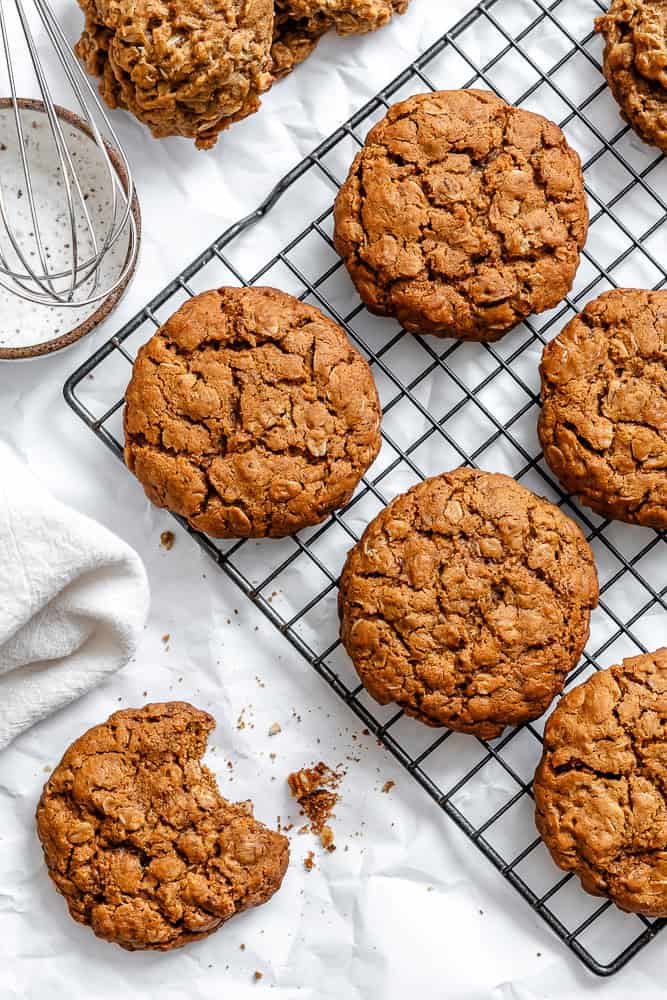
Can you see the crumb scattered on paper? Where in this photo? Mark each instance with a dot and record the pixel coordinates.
(308, 862)
(327, 838)
(274, 729)
(387, 787)
(314, 788)
(167, 540)
(258, 975)
(245, 719)
(165, 638)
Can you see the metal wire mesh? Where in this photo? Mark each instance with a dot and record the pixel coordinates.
(447, 404)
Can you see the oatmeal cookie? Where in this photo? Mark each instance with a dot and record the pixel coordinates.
(467, 601)
(250, 414)
(300, 24)
(635, 64)
(348, 17)
(294, 38)
(138, 839)
(462, 215)
(189, 69)
(601, 786)
(603, 425)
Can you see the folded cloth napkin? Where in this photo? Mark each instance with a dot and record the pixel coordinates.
(73, 601)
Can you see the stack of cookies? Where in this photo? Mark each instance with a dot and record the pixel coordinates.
(194, 67)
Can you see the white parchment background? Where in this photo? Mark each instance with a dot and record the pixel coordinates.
(406, 905)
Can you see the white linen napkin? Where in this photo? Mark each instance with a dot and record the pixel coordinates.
(73, 601)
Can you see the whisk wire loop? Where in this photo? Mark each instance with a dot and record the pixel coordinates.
(75, 277)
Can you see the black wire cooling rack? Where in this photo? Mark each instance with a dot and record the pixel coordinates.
(447, 404)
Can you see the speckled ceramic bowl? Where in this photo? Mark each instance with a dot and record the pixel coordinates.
(28, 330)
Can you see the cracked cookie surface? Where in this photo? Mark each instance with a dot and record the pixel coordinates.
(251, 414)
(462, 215)
(467, 601)
(603, 425)
(601, 786)
(138, 839)
(191, 68)
(635, 64)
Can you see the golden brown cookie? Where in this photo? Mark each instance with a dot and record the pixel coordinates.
(138, 839)
(462, 215)
(294, 38)
(300, 24)
(348, 17)
(190, 68)
(601, 784)
(251, 414)
(603, 425)
(467, 601)
(635, 64)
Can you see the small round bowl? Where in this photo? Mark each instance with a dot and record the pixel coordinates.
(29, 330)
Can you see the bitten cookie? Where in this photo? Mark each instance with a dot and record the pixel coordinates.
(600, 786)
(189, 68)
(250, 414)
(603, 424)
(467, 601)
(462, 215)
(635, 64)
(140, 842)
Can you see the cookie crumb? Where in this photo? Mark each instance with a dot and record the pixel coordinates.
(274, 729)
(314, 788)
(258, 975)
(166, 637)
(308, 862)
(387, 787)
(242, 947)
(167, 539)
(327, 838)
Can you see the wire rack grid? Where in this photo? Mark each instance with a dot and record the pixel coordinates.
(446, 404)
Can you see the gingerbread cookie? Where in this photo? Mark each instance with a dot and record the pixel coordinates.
(600, 786)
(635, 64)
(138, 839)
(467, 601)
(250, 414)
(462, 215)
(603, 424)
(184, 68)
